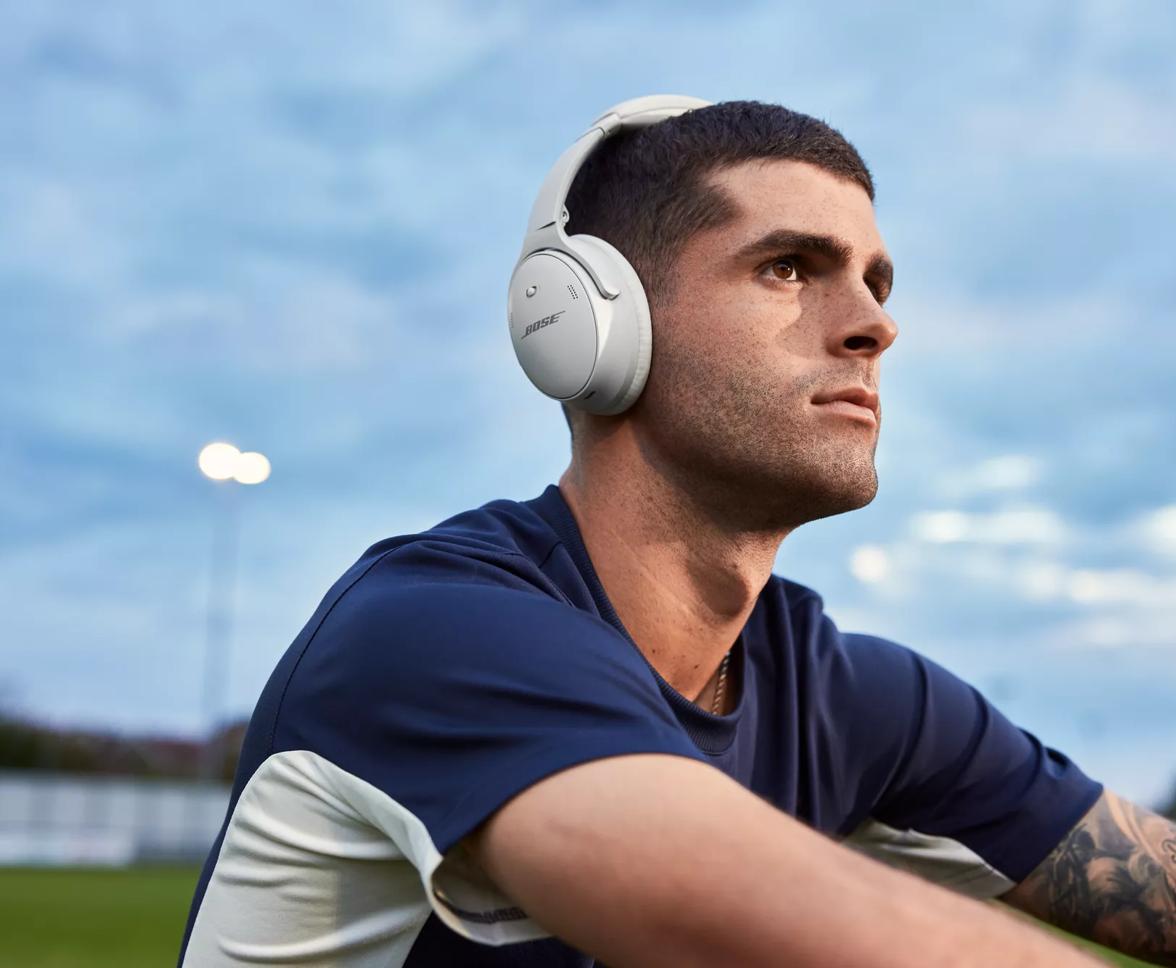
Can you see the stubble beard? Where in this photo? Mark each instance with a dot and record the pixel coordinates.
(760, 459)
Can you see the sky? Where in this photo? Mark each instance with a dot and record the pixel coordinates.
(290, 226)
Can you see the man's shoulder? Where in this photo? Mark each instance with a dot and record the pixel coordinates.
(458, 584)
(793, 612)
(498, 533)
(459, 610)
(503, 542)
(799, 612)
(792, 595)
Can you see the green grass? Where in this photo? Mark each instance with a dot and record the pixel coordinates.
(132, 918)
(1110, 957)
(1114, 958)
(78, 918)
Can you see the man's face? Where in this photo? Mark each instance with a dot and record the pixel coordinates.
(769, 318)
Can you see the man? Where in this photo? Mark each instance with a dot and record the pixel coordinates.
(593, 725)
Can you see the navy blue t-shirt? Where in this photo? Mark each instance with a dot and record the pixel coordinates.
(449, 670)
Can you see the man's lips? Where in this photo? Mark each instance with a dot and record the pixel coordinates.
(857, 403)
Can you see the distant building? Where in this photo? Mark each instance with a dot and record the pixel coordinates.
(64, 819)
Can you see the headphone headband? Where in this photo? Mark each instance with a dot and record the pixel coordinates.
(545, 226)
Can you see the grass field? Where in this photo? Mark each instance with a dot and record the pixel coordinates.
(132, 918)
(99, 918)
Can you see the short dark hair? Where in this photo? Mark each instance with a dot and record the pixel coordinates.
(645, 190)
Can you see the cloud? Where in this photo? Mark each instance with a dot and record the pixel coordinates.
(1124, 633)
(1002, 473)
(286, 320)
(53, 231)
(1134, 129)
(870, 564)
(1014, 525)
(1155, 530)
(1121, 586)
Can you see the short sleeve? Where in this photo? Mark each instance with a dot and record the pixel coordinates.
(954, 791)
(447, 698)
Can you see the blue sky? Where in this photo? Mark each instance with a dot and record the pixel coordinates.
(290, 225)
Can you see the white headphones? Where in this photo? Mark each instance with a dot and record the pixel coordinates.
(578, 315)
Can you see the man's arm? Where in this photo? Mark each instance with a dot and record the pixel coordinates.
(1112, 879)
(645, 860)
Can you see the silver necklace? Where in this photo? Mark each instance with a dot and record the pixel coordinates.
(721, 683)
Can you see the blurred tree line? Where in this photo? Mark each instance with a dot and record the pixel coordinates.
(26, 745)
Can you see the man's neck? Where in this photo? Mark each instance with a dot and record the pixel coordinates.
(682, 583)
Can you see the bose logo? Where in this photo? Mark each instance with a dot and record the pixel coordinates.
(540, 323)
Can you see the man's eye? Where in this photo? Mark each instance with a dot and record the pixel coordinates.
(784, 269)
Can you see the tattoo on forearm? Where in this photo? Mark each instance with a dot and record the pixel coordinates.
(1112, 879)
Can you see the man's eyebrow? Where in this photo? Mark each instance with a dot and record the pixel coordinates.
(880, 269)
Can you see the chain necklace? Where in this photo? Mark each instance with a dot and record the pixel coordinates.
(721, 683)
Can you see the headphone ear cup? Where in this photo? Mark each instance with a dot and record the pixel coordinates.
(575, 345)
(553, 317)
(626, 338)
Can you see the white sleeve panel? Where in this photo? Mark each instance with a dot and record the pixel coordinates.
(319, 867)
(940, 860)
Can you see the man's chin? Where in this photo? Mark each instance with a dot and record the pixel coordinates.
(839, 502)
(828, 495)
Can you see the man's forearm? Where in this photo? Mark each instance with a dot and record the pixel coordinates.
(1113, 879)
(841, 908)
(646, 861)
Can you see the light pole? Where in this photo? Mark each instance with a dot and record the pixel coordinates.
(227, 467)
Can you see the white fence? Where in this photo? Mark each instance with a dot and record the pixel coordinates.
(65, 819)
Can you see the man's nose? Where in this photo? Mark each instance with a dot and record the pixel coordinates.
(866, 329)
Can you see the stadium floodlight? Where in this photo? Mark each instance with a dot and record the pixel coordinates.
(252, 468)
(218, 461)
(221, 461)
